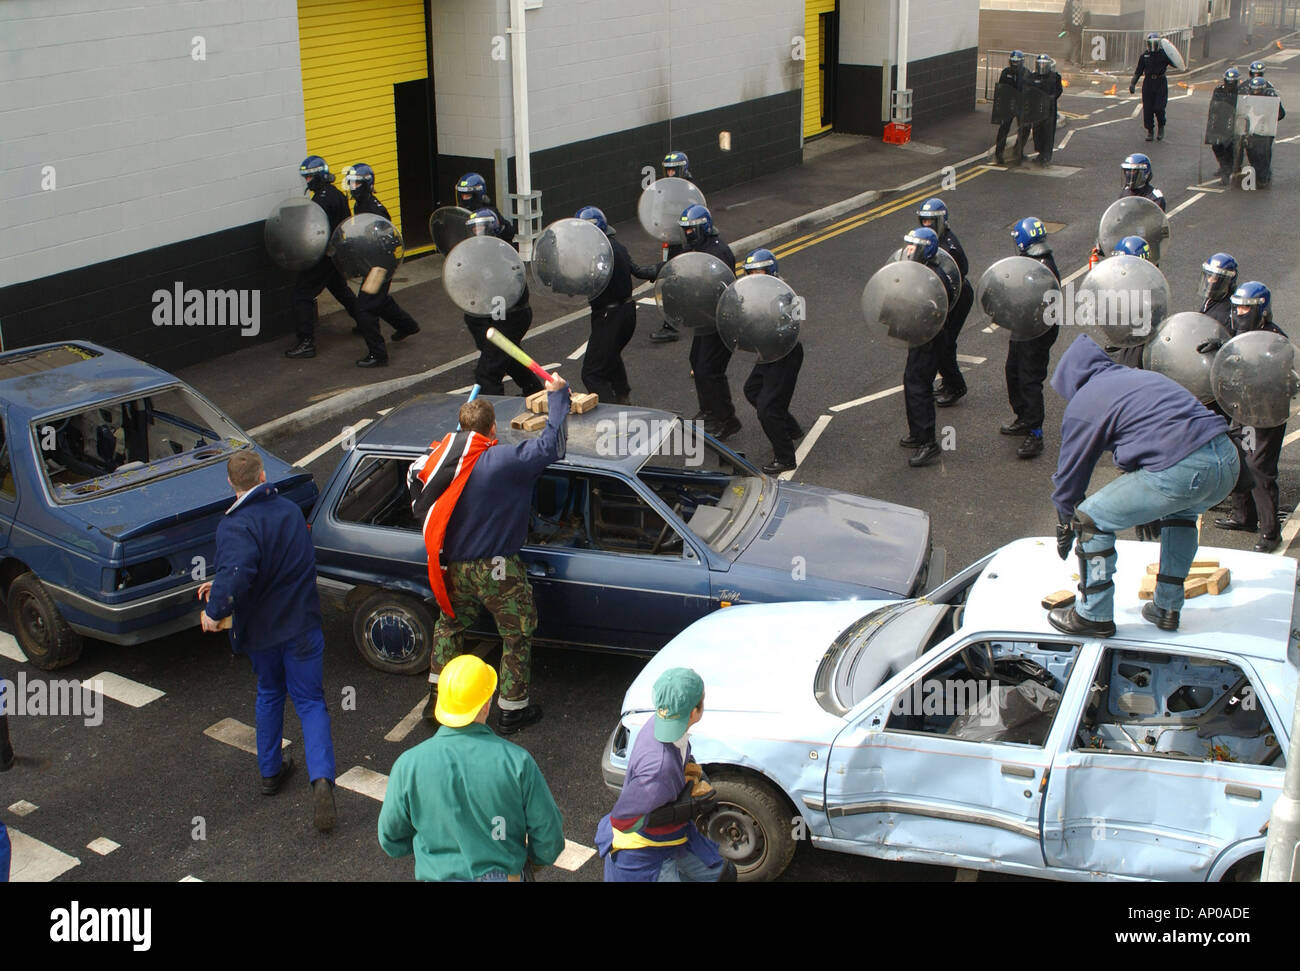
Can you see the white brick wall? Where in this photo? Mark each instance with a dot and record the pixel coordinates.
(150, 146)
(868, 29)
(939, 26)
(472, 91)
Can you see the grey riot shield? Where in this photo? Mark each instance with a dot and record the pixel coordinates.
(945, 266)
(1035, 106)
(760, 313)
(1219, 119)
(363, 242)
(1006, 103)
(1134, 216)
(907, 301)
(1014, 295)
(297, 232)
(573, 258)
(688, 289)
(484, 276)
(447, 227)
(1174, 55)
(1257, 114)
(1123, 300)
(1172, 352)
(661, 206)
(1254, 378)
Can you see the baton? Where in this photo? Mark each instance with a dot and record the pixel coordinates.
(473, 393)
(513, 349)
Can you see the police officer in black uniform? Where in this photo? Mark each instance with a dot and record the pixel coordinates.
(1153, 64)
(709, 354)
(1016, 75)
(770, 386)
(1225, 152)
(323, 274)
(1047, 80)
(933, 214)
(921, 245)
(1027, 360)
(471, 194)
(359, 180)
(1259, 148)
(676, 165)
(1218, 280)
(493, 363)
(613, 320)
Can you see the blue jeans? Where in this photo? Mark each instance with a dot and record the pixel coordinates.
(295, 667)
(4, 854)
(689, 868)
(1183, 491)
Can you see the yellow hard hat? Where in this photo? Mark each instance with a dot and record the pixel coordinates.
(464, 687)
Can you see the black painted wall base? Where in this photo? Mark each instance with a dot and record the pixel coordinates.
(942, 86)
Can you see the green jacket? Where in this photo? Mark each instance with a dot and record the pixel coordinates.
(467, 802)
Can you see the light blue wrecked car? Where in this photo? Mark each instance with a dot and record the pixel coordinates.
(961, 729)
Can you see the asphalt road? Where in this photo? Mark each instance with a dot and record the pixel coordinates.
(150, 780)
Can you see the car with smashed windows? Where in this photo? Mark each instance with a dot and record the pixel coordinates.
(643, 526)
(962, 729)
(112, 482)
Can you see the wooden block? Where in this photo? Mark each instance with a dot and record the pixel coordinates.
(528, 422)
(1195, 586)
(1219, 580)
(1147, 589)
(536, 402)
(1201, 565)
(583, 403)
(1062, 598)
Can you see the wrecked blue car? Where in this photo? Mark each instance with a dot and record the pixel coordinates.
(643, 527)
(112, 482)
(962, 729)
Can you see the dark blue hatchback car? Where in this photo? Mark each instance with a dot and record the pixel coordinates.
(641, 529)
(112, 481)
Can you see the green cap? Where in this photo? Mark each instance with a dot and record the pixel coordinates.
(677, 693)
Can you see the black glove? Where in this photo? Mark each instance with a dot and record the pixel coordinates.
(1210, 346)
(1064, 539)
(684, 809)
(1149, 532)
(1132, 88)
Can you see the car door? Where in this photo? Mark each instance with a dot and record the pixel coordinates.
(8, 486)
(949, 759)
(1173, 758)
(607, 568)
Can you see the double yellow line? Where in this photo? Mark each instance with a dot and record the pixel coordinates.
(862, 218)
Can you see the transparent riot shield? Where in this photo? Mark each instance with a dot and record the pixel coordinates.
(1172, 351)
(761, 314)
(688, 289)
(297, 233)
(945, 266)
(1257, 114)
(907, 302)
(1254, 378)
(1014, 294)
(364, 243)
(484, 276)
(448, 226)
(1122, 301)
(661, 206)
(1134, 216)
(572, 258)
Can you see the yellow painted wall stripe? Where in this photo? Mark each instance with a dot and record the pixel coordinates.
(814, 43)
(353, 52)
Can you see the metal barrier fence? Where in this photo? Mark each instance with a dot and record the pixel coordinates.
(1119, 50)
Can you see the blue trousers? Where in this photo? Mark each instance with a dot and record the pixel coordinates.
(1183, 491)
(689, 868)
(4, 854)
(295, 667)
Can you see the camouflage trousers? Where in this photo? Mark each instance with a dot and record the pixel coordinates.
(499, 584)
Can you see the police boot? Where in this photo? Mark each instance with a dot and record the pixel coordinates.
(1164, 619)
(926, 454)
(1160, 136)
(1031, 447)
(271, 784)
(304, 348)
(1150, 135)
(513, 720)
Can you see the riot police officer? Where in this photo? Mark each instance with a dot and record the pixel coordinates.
(921, 245)
(323, 275)
(613, 320)
(1218, 279)
(1256, 507)
(471, 194)
(1026, 367)
(676, 165)
(1259, 148)
(1225, 152)
(933, 214)
(1131, 246)
(770, 386)
(1016, 75)
(493, 363)
(1137, 180)
(1153, 63)
(1047, 80)
(1256, 70)
(709, 353)
(359, 180)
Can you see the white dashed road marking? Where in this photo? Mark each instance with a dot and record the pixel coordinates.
(36, 862)
(1184, 204)
(574, 856)
(235, 733)
(122, 689)
(316, 453)
(103, 846)
(9, 648)
(365, 781)
(806, 445)
(407, 724)
(189, 879)
(867, 399)
(23, 808)
(579, 352)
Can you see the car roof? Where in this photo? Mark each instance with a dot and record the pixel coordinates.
(1253, 616)
(420, 421)
(49, 378)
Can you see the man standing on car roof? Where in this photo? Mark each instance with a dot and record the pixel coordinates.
(472, 497)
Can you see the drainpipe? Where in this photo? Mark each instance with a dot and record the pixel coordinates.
(902, 107)
(527, 207)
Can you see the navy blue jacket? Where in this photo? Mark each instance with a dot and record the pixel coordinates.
(491, 515)
(266, 572)
(1146, 419)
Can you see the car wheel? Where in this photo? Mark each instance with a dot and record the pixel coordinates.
(40, 629)
(752, 825)
(394, 632)
(1245, 871)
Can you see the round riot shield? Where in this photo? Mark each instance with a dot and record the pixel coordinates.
(1123, 300)
(1254, 378)
(907, 301)
(688, 289)
(297, 232)
(661, 206)
(945, 266)
(760, 313)
(483, 275)
(572, 258)
(448, 227)
(1134, 216)
(1172, 351)
(1015, 294)
(364, 242)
